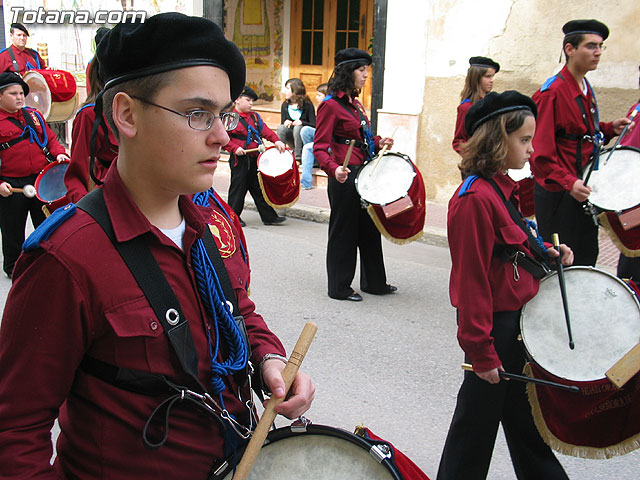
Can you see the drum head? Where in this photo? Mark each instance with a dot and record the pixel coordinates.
(521, 174)
(605, 324)
(39, 95)
(387, 180)
(50, 182)
(273, 163)
(320, 453)
(614, 184)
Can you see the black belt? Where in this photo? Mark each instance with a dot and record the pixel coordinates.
(358, 143)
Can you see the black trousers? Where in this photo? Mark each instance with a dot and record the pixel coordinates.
(244, 177)
(13, 220)
(559, 212)
(629, 267)
(482, 406)
(352, 230)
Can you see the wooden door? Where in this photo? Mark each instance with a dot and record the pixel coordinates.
(319, 29)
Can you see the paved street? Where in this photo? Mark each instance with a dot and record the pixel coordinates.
(391, 363)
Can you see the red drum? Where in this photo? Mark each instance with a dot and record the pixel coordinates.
(50, 187)
(525, 181)
(53, 93)
(393, 190)
(279, 177)
(624, 230)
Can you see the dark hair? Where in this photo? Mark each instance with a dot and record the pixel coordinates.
(472, 83)
(485, 153)
(145, 87)
(342, 78)
(322, 88)
(94, 81)
(299, 92)
(574, 39)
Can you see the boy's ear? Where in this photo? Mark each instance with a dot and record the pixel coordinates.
(125, 111)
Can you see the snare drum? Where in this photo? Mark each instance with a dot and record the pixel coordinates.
(605, 324)
(525, 181)
(53, 93)
(319, 452)
(279, 177)
(49, 183)
(614, 185)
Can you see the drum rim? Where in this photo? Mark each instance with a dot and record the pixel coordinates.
(37, 74)
(405, 157)
(41, 175)
(312, 429)
(553, 276)
(604, 153)
(287, 151)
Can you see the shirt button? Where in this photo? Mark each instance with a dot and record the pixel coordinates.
(154, 326)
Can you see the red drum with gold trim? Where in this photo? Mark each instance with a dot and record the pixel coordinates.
(393, 190)
(53, 93)
(279, 177)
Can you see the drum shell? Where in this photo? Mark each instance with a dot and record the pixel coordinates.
(53, 93)
(279, 177)
(49, 184)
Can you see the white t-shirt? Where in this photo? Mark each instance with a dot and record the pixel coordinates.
(175, 234)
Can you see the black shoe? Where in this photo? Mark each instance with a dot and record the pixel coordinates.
(354, 297)
(242, 224)
(276, 221)
(387, 290)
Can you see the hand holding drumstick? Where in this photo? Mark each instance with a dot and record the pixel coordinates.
(6, 189)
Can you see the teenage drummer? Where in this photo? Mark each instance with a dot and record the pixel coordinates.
(248, 135)
(17, 57)
(569, 135)
(497, 263)
(27, 144)
(341, 118)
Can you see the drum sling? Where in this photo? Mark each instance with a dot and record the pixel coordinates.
(14, 62)
(145, 269)
(29, 132)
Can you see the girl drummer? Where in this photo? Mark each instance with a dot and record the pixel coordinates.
(477, 84)
(488, 289)
(341, 118)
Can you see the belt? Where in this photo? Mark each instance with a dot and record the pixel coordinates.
(358, 143)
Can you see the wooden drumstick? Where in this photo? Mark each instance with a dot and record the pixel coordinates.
(380, 155)
(348, 155)
(260, 148)
(524, 378)
(260, 434)
(563, 289)
(28, 191)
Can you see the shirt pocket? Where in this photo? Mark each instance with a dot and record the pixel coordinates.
(512, 235)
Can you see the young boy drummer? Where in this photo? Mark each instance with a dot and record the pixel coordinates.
(485, 230)
(139, 394)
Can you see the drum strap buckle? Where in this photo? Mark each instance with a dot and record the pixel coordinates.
(380, 452)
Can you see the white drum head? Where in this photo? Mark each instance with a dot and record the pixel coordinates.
(605, 324)
(615, 184)
(521, 174)
(273, 163)
(385, 181)
(39, 94)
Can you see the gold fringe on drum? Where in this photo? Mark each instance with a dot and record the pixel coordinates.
(617, 241)
(385, 233)
(290, 198)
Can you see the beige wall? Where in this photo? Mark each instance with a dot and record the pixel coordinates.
(525, 37)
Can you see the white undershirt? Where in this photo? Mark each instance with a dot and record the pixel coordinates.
(175, 234)
(584, 87)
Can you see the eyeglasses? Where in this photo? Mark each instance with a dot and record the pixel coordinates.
(595, 46)
(201, 119)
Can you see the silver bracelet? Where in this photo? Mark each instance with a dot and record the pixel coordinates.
(270, 356)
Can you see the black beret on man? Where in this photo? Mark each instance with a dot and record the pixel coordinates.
(249, 92)
(351, 55)
(494, 104)
(165, 42)
(20, 26)
(484, 62)
(12, 78)
(586, 26)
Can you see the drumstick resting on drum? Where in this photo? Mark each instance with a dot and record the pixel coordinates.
(563, 289)
(269, 415)
(524, 378)
(28, 191)
(382, 152)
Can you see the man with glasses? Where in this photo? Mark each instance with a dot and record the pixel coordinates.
(568, 136)
(129, 320)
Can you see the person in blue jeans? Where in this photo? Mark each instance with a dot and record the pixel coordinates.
(307, 133)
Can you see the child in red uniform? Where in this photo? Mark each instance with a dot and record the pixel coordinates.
(488, 293)
(244, 167)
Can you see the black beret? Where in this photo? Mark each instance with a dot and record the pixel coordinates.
(100, 34)
(11, 78)
(484, 62)
(586, 26)
(165, 42)
(495, 104)
(348, 55)
(249, 92)
(20, 26)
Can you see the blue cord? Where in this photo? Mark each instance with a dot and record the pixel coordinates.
(532, 225)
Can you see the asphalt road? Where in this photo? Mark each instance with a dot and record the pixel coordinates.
(391, 363)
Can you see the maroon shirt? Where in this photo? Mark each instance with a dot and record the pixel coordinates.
(24, 158)
(460, 135)
(554, 159)
(77, 177)
(241, 131)
(334, 119)
(26, 60)
(74, 296)
(481, 283)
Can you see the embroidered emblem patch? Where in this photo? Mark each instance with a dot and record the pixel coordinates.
(222, 234)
